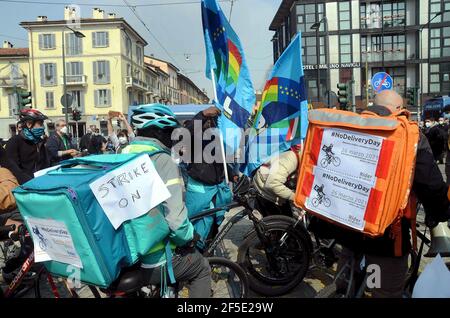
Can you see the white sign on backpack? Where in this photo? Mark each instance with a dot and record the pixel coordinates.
(130, 191)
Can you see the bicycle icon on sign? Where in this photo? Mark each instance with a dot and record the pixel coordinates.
(321, 197)
(330, 157)
(43, 242)
(386, 84)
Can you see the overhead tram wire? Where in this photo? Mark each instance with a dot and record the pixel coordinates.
(133, 9)
(160, 4)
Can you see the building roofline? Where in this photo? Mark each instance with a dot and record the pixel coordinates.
(86, 21)
(14, 52)
(192, 83)
(161, 60)
(284, 9)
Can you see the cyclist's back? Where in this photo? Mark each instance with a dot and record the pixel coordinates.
(154, 124)
(430, 189)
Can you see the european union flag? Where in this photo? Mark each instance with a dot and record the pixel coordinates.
(225, 61)
(282, 119)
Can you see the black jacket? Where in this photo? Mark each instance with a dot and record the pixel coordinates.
(207, 173)
(26, 158)
(55, 144)
(431, 191)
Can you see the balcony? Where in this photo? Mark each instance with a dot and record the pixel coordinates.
(72, 80)
(8, 82)
(135, 83)
(377, 22)
(389, 55)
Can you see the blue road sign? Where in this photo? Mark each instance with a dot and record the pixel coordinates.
(382, 81)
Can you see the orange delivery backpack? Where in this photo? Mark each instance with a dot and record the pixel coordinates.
(356, 171)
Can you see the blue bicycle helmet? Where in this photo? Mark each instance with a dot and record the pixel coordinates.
(157, 115)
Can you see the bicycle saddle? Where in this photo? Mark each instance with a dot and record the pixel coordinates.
(130, 280)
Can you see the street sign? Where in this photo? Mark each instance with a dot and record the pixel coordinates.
(69, 99)
(69, 110)
(382, 81)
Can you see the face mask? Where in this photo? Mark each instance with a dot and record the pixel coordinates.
(427, 124)
(64, 130)
(441, 122)
(123, 140)
(34, 134)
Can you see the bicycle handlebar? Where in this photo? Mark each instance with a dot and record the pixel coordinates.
(6, 230)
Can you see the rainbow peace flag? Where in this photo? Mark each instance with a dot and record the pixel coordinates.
(282, 118)
(225, 61)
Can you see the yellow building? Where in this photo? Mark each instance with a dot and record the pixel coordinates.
(104, 61)
(14, 74)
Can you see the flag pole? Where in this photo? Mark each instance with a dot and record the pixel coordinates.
(222, 147)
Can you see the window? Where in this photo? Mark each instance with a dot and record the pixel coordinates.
(74, 72)
(47, 41)
(101, 72)
(49, 100)
(308, 14)
(48, 74)
(100, 39)
(370, 15)
(77, 99)
(440, 78)
(102, 98)
(73, 44)
(138, 55)
(394, 14)
(440, 42)
(128, 46)
(344, 16)
(310, 50)
(345, 48)
(13, 104)
(394, 47)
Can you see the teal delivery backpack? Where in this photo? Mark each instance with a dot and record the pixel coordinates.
(63, 197)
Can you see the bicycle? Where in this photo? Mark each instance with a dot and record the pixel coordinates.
(321, 199)
(351, 280)
(29, 273)
(330, 159)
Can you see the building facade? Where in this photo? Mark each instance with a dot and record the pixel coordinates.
(14, 75)
(189, 92)
(357, 39)
(105, 70)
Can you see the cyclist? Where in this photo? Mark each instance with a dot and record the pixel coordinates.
(154, 124)
(319, 191)
(432, 192)
(328, 150)
(26, 151)
(276, 181)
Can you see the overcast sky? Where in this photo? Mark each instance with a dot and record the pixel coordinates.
(177, 27)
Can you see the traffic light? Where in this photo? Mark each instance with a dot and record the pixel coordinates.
(76, 115)
(343, 95)
(23, 99)
(411, 96)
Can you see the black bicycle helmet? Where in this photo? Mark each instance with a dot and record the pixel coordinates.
(31, 114)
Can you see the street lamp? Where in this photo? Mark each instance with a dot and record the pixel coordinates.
(316, 27)
(419, 113)
(80, 35)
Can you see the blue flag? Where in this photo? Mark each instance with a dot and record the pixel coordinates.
(225, 62)
(282, 117)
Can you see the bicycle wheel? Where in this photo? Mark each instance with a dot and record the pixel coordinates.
(324, 163)
(276, 269)
(327, 202)
(336, 161)
(315, 202)
(228, 279)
